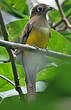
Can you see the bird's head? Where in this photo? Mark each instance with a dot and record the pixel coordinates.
(40, 9)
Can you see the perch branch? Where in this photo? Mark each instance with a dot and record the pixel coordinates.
(31, 48)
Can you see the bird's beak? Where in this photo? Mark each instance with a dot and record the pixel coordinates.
(48, 8)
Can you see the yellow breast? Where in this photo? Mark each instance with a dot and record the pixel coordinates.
(38, 37)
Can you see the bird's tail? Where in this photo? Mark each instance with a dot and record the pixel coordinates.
(31, 90)
(33, 62)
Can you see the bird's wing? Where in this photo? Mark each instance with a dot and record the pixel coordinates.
(22, 40)
(26, 33)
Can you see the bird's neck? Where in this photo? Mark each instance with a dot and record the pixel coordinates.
(39, 21)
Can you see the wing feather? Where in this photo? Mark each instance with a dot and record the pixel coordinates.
(26, 33)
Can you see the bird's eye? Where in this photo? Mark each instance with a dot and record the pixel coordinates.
(39, 9)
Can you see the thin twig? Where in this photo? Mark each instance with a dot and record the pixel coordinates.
(16, 78)
(64, 19)
(31, 48)
(8, 80)
(54, 25)
(4, 61)
(60, 29)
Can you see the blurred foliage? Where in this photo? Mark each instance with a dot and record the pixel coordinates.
(58, 78)
(55, 17)
(61, 43)
(4, 5)
(21, 6)
(15, 29)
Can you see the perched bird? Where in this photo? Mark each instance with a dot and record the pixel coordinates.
(36, 33)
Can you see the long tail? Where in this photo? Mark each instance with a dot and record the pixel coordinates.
(33, 62)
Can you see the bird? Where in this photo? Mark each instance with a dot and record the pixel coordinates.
(36, 33)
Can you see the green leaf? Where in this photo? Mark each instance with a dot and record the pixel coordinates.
(5, 6)
(6, 70)
(3, 53)
(58, 43)
(15, 29)
(21, 6)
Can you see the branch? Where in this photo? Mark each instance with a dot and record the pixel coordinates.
(64, 19)
(50, 53)
(4, 61)
(16, 78)
(8, 80)
(54, 25)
